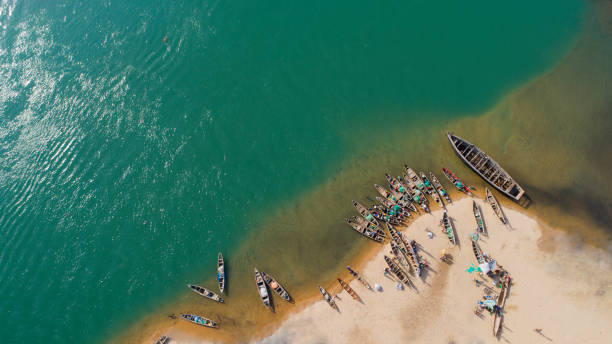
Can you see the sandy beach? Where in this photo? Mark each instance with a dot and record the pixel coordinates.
(558, 288)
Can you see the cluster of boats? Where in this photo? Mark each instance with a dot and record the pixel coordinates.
(263, 281)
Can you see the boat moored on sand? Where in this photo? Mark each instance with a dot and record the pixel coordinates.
(456, 181)
(199, 320)
(495, 205)
(328, 298)
(441, 191)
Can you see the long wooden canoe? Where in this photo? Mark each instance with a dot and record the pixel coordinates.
(431, 190)
(277, 287)
(478, 216)
(199, 320)
(205, 292)
(220, 272)
(365, 213)
(349, 290)
(414, 257)
(456, 181)
(448, 229)
(486, 167)
(495, 205)
(328, 298)
(441, 191)
(358, 277)
(397, 271)
(262, 290)
(366, 231)
(478, 252)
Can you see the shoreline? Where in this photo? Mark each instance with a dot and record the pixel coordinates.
(450, 287)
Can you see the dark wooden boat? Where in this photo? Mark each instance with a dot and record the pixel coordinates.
(495, 205)
(448, 229)
(397, 252)
(486, 167)
(359, 277)
(414, 257)
(456, 181)
(220, 272)
(328, 298)
(349, 290)
(163, 340)
(395, 208)
(381, 214)
(414, 180)
(366, 231)
(262, 290)
(199, 320)
(277, 287)
(397, 271)
(417, 196)
(478, 216)
(401, 191)
(440, 188)
(394, 197)
(431, 190)
(365, 213)
(478, 252)
(205, 292)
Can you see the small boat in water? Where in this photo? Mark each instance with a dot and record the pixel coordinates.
(196, 319)
(277, 287)
(431, 190)
(495, 205)
(365, 213)
(262, 290)
(486, 167)
(328, 298)
(448, 229)
(478, 216)
(205, 292)
(220, 272)
(440, 188)
(456, 181)
(359, 277)
(163, 340)
(349, 290)
(371, 233)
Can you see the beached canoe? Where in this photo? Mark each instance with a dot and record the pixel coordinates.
(163, 340)
(277, 287)
(366, 231)
(328, 298)
(478, 216)
(365, 213)
(262, 290)
(381, 214)
(417, 196)
(397, 252)
(358, 277)
(395, 208)
(220, 272)
(394, 197)
(414, 257)
(456, 181)
(495, 205)
(486, 167)
(431, 190)
(440, 188)
(349, 290)
(448, 229)
(397, 271)
(402, 192)
(205, 292)
(199, 320)
(414, 179)
(478, 252)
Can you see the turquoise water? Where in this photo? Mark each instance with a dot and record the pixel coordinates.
(127, 162)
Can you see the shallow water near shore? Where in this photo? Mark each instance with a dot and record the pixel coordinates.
(132, 161)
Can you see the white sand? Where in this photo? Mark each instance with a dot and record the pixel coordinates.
(563, 290)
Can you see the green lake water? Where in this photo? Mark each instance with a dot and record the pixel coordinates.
(138, 139)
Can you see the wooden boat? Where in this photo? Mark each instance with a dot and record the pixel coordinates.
(497, 324)
(262, 290)
(394, 197)
(440, 188)
(431, 190)
(414, 179)
(448, 228)
(417, 196)
(456, 181)
(277, 287)
(205, 292)
(163, 340)
(486, 167)
(397, 271)
(401, 191)
(199, 320)
(365, 213)
(391, 276)
(365, 230)
(414, 257)
(399, 254)
(501, 301)
(381, 214)
(328, 298)
(220, 272)
(349, 290)
(478, 252)
(495, 205)
(478, 216)
(359, 277)
(393, 208)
